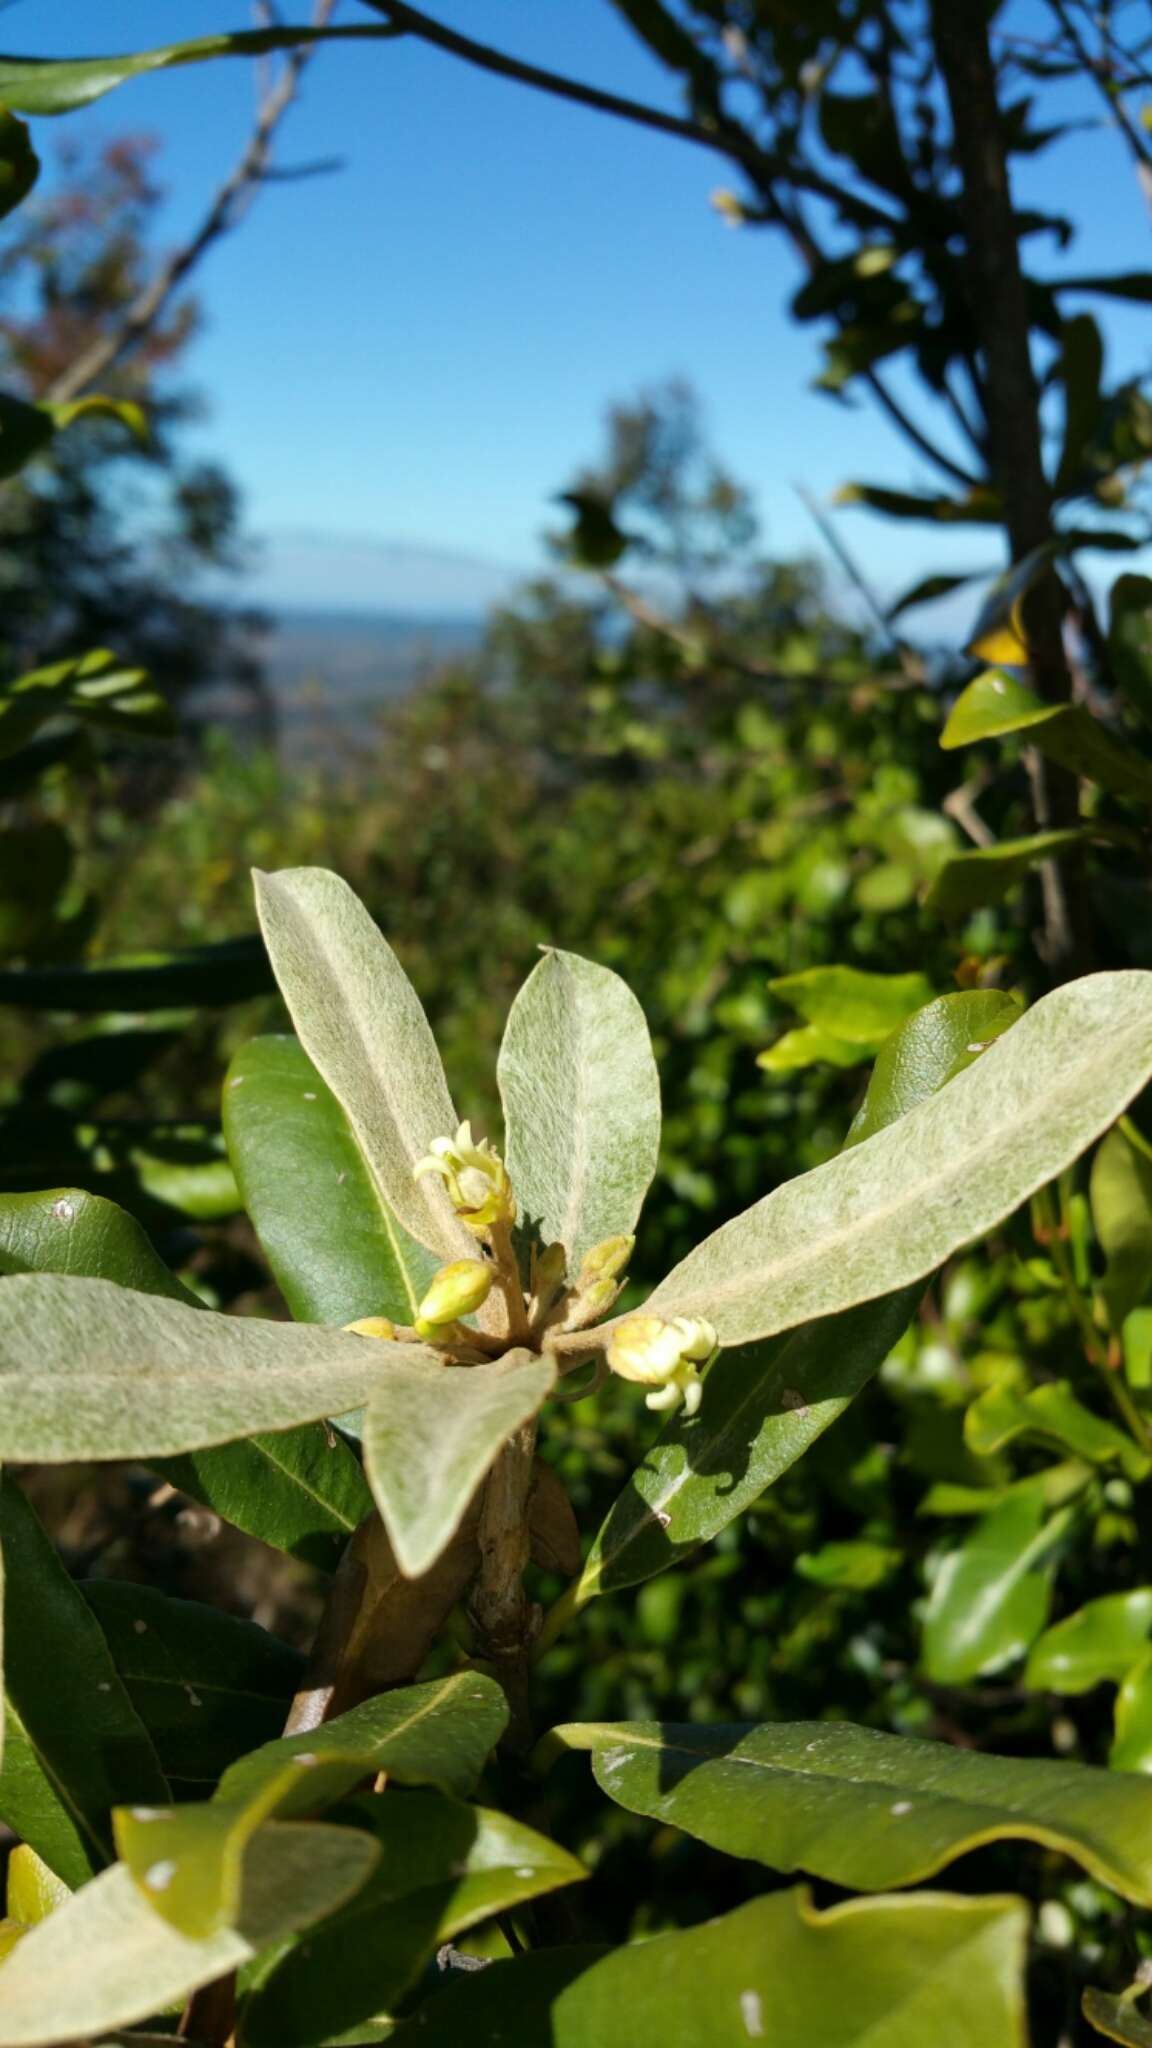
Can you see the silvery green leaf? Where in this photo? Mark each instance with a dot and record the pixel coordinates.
(885, 1213)
(92, 1370)
(431, 1433)
(581, 1104)
(361, 1023)
(106, 1958)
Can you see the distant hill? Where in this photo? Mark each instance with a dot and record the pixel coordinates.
(327, 670)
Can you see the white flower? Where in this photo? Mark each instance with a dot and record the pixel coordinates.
(665, 1356)
(475, 1177)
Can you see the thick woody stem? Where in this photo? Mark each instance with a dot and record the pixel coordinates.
(498, 1608)
(998, 303)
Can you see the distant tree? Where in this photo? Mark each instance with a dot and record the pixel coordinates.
(106, 539)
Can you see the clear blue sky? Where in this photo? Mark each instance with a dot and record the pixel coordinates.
(414, 353)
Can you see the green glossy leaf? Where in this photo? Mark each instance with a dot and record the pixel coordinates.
(208, 977)
(1101, 1641)
(980, 508)
(970, 881)
(76, 1745)
(807, 1047)
(1117, 2018)
(927, 1052)
(850, 1004)
(764, 1405)
(1050, 1411)
(1130, 641)
(34, 1891)
(437, 1734)
(861, 1808)
(857, 1566)
(301, 1490)
(885, 1213)
(443, 1867)
(334, 1246)
(94, 688)
(990, 1597)
(873, 1973)
(207, 1686)
(1120, 1191)
(360, 1021)
(1132, 1734)
(92, 1370)
(997, 703)
(66, 1230)
(927, 589)
(47, 85)
(106, 1958)
(431, 1433)
(581, 1105)
(186, 1168)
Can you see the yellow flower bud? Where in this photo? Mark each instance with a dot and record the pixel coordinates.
(605, 1261)
(665, 1356)
(373, 1326)
(476, 1179)
(456, 1290)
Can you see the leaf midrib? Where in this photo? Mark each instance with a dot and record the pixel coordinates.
(313, 932)
(1002, 1817)
(911, 1194)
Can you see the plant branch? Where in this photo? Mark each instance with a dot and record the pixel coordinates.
(998, 307)
(726, 137)
(227, 209)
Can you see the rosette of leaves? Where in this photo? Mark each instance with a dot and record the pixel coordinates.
(273, 1923)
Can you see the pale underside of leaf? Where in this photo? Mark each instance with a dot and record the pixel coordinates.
(431, 1434)
(106, 1959)
(92, 1370)
(888, 1211)
(581, 1104)
(361, 1023)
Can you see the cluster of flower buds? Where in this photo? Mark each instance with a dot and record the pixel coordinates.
(666, 1356)
(476, 1179)
(599, 1281)
(456, 1290)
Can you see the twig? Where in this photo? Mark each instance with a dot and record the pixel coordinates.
(724, 136)
(227, 209)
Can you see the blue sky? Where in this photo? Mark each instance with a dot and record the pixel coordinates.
(404, 360)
